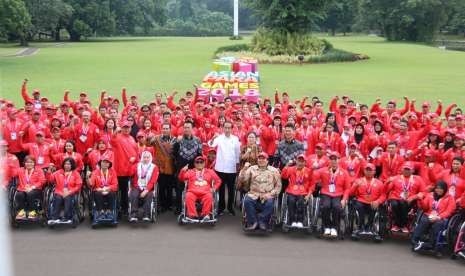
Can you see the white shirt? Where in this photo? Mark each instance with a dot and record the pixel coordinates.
(228, 153)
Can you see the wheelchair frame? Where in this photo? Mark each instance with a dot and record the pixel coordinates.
(308, 211)
(184, 219)
(153, 205)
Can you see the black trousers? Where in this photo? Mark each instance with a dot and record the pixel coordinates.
(179, 188)
(425, 225)
(295, 208)
(364, 211)
(400, 210)
(123, 184)
(227, 180)
(104, 202)
(58, 202)
(134, 198)
(166, 184)
(28, 201)
(331, 211)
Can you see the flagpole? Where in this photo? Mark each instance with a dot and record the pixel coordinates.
(236, 17)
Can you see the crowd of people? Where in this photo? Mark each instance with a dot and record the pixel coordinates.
(374, 156)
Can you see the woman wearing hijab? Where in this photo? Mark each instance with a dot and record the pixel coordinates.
(142, 186)
(437, 207)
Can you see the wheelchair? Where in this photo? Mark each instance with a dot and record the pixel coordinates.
(456, 235)
(307, 210)
(153, 206)
(343, 228)
(274, 220)
(41, 207)
(442, 240)
(111, 220)
(78, 210)
(412, 217)
(376, 232)
(184, 219)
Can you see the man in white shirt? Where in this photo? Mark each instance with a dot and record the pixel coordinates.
(227, 161)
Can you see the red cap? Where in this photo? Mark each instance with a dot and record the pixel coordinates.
(320, 145)
(374, 114)
(200, 158)
(133, 97)
(35, 92)
(11, 110)
(64, 104)
(36, 111)
(52, 107)
(370, 166)
(460, 136)
(434, 132)
(426, 104)
(342, 105)
(44, 99)
(302, 156)
(83, 94)
(451, 131)
(429, 153)
(334, 154)
(141, 134)
(408, 165)
(125, 124)
(40, 133)
(263, 155)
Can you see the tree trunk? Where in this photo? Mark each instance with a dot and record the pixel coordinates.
(73, 36)
(333, 32)
(23, 42)
(56, 34)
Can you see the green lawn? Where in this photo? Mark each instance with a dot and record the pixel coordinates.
(147, 65)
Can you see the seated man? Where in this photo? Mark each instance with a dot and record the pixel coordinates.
(437, 207)
(403, 191)
(298, 191)
(200, 182)
(369, 194)
(265, 185)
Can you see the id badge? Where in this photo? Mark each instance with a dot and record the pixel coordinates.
(402, 152)
(332, 188)
(37, 106)
(142, 183)
(83, 138)
(452, 191)
(40, 160)
(305, 145)
(13, 136)
(404, 195)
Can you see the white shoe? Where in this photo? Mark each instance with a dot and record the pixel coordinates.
(333, 233)
(133, 219)
(294, 224)
(51, 222)
(299, 225)
(327, 232)
(146, 219)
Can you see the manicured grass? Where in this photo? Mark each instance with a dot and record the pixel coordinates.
(147, 65)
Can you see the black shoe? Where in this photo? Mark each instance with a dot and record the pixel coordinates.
(232, 212)
(378, 238)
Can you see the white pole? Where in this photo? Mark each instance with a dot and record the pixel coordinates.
(5, 253)
(236, 17)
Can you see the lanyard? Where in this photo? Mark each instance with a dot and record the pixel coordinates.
(104, 178)
(369, 185)
(13, 129)
(67, 179)
(144, 172)
(28, 176)
(199, 175)
(332, 176)
(85, 130)
(299, 176)
(435, 205)
(407, 184)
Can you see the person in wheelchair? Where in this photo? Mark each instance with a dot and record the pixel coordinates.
(437, 206)
(200, 184)
(459, 248)
(104, 185)
(403, 191)
(29, 190)
(145, 175)
(370, 194)
(68, 184)
(335, 189)
(298, 191)
(264, 184)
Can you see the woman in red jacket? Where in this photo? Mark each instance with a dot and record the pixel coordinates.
(404, 190)
(29, 190)
(104, 185)
(370, 194)
(97, 154)
(200, 182)
(68, 183)
(298, 191)
(70, 152)
(437, 207)
(145, 175)
(335, 189)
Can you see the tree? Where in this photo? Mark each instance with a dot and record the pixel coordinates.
(290, 16)
(340, 16)
(456, 22)
(15, 21)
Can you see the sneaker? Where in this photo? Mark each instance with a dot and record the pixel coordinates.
(395, 228)
(355, 234)
(66, 221)
(333, 233)
(327, 232)
(405, 230)
(378, 238)
(32, 214)
(133, 219)
(205, 218)
(51, 222)
(21, 215)
(294, 224)
(461, 254)
(262, 226)
(146, 219)
(251, 227)
(299, 225)
(418, 246)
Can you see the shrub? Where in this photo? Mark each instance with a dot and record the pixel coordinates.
(233, 48)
